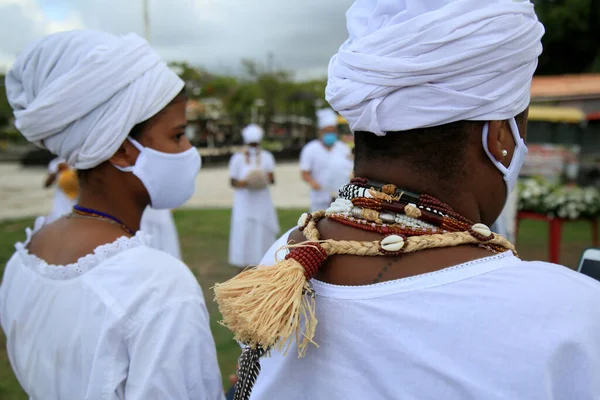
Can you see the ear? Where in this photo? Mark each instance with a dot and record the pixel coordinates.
(126, 156)
(500, 141)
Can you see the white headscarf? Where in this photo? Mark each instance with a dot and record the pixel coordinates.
(252, 134)
(415, 64)
(326, 117)
(80, 93)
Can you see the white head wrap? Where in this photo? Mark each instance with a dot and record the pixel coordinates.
(252, 134)
(326, 117)
(415, 64)
(80, 93)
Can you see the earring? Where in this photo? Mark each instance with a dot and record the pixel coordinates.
(504, 153)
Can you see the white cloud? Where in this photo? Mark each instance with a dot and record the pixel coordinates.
(217, 34)
(23, 21)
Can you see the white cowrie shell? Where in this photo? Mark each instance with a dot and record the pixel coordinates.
(302, 220)
(481, 229)
(392, 243)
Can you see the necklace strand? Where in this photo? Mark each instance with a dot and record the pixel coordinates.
(99, 215)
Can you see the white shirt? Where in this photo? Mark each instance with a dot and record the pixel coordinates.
(316, 159)
(128, 322)
(493, 329)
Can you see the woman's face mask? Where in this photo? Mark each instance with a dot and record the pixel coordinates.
(329, 138)
(169, 178)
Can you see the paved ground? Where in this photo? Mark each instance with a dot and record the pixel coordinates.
(22, 195)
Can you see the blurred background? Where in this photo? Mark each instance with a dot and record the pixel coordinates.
(265, 61)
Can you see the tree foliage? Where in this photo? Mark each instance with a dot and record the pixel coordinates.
(572, 35)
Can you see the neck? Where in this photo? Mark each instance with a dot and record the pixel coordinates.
(128, 212)
(462, 201)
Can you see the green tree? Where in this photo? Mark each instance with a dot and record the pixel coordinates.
(5, 109)
(193, 77)
(572, 34)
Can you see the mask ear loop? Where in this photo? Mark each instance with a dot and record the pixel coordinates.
(514, 128)
(484, 140)
(137, 146)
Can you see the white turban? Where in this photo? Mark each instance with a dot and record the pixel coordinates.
(252, 134)
(416, 64)
(326, 117)
(80, 93)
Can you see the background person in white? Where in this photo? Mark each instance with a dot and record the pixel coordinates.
(160, 226)
(415, 81)
(254, 222)
(89, 309)
(61, 204)
(316, 156)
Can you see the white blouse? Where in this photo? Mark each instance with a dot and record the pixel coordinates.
(127, 322)
(497, 328)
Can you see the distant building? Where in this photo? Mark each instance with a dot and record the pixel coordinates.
(577, 91)
(565, 109)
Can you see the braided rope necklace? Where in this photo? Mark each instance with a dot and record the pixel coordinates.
(268, 307)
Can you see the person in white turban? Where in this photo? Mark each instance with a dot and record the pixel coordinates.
(415, 298)
(90, 310)
(316, 159)
(254, 222)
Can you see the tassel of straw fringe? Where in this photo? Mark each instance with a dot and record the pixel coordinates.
(270, 306)
(267, 306)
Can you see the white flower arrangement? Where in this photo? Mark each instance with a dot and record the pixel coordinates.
(568, 202)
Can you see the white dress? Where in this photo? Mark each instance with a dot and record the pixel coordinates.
(317, 159)
(254, 222)
(61, 204)
(161, 228)
(125, 323)
(497, 328)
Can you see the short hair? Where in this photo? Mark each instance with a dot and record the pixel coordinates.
(437, 152)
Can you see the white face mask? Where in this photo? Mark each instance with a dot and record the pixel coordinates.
(511, 174)
(170, 179)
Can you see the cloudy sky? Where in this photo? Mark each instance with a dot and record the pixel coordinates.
(216, 34)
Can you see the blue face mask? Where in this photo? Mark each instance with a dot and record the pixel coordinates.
(329, 139)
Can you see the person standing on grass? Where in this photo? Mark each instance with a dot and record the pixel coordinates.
(89, 309)
(316, 158)
(254, 222)
(414, 297)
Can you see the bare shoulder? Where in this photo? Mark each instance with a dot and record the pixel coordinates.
(63, 243)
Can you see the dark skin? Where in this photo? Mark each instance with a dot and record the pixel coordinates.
(242, 184)
(111, 191)
(479, 195)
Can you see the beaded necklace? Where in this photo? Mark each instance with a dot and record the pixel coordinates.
(381, 204)
(269, 307)
(84, 212)
(247, 154)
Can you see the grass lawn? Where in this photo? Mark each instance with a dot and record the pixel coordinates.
(204, 240)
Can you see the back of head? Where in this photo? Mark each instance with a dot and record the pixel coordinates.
(417, 81)
(80, 93)
(409, 65)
